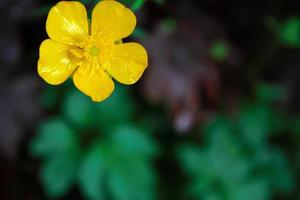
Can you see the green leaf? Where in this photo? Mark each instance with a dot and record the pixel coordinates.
(132, 141)
(227, 166)
(58, 174)
(231, 165)
(78, 109)
(54, 138)
(57, 144)
(117, 109)
(83, 113)
(257, 189)
(92, 174)
(211, 196)
(192, 158)
(294, 125)
(255, 123)
(280, 174)
(136, 180)
(290, 32)
(131, 168)
(219, 51)
(220, 136)
(120, 167)
(268, 93)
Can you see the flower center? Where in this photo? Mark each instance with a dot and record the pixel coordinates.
(94, 51)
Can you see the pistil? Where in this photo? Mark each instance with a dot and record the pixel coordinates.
(94, 51)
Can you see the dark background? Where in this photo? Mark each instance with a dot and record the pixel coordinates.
(215, 116)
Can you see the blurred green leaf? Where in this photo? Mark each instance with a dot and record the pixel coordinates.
(219, 51)
(58, 174)
(92, 174)
(254, 121)
(117, 109)
(78, 109)
(192, 158)
(256, 189)
(258, 121)
(132, 141)
(59, 146)
(235, 159)
(268, 93)
(279, 172)
(290, 32)
(54, 138)
(210, 195)
(83, 113)
(121, 165)
(294, 124)
(134, 181)
(223, 137)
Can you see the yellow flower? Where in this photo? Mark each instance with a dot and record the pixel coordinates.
(91, 55)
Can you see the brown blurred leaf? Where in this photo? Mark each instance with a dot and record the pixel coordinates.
(181, 73)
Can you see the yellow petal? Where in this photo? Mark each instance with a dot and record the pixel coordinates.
(93, 81)
(67, 23)
(56, 63)
(127, 63)
(112, 20)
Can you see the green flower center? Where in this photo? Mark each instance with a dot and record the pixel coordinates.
(94, 51)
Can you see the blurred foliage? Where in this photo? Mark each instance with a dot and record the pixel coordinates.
(290, 32)
(102, 149)
(111, 161)
(219, 51)
(102, 117)
(109, 151)
(121, 163)
(59, 146)
(237, 159)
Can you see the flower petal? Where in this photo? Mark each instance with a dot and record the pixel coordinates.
(128, 62)
(56, 63)
(67, 23)
(112, 20)
(93, 81)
